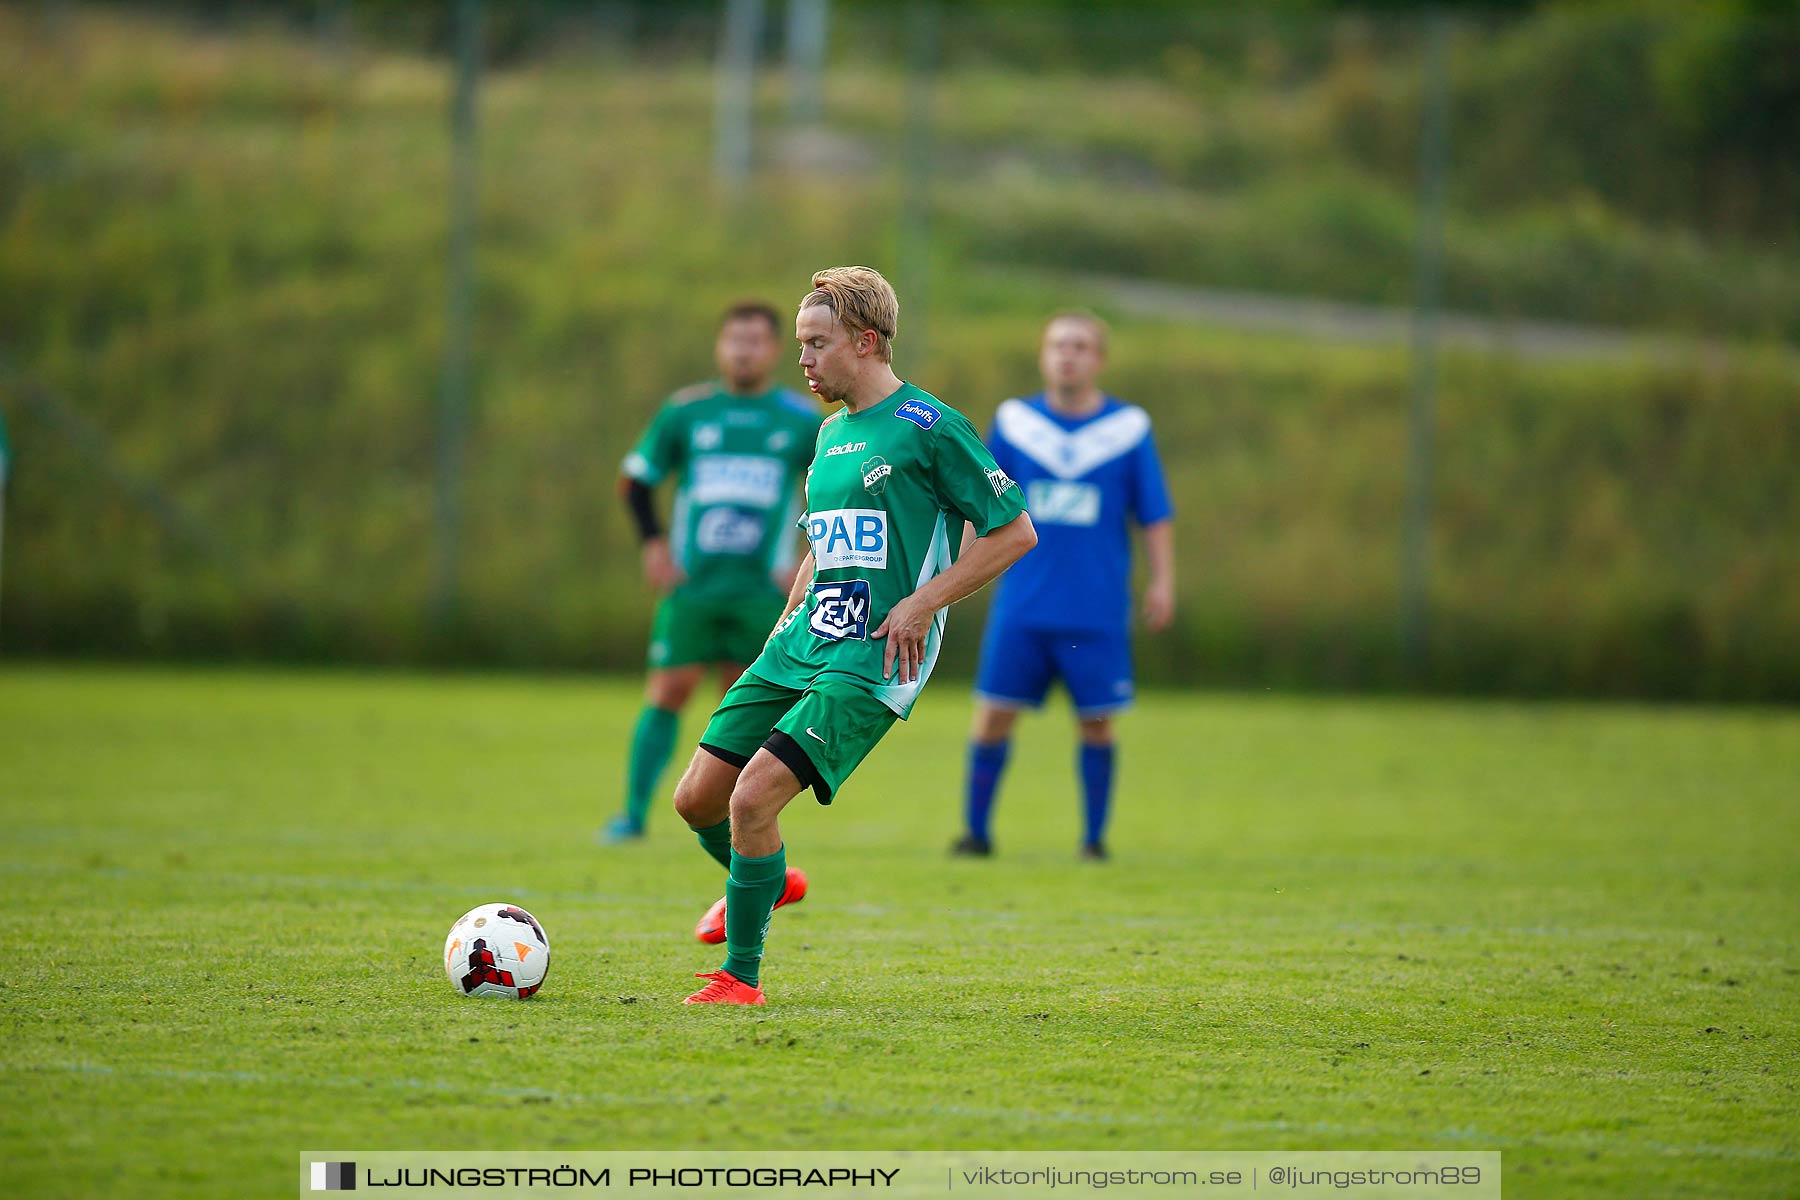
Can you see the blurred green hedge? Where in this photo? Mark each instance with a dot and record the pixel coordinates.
(227, 250)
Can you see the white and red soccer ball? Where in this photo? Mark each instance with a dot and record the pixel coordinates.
(497, 950)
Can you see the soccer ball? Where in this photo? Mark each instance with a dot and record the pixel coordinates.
(497, 950)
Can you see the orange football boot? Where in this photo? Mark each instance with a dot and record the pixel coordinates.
(725, 988)
(711, 928)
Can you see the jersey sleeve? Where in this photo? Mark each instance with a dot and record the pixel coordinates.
(1149, 492)
(968, 482)
(660, 450)
(1005, 457)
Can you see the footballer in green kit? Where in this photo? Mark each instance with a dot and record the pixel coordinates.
(895, 478)
(736, 448)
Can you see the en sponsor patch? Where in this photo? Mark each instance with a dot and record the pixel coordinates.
(727, 530)
(840, 610)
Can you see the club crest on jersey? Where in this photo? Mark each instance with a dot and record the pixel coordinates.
(919, 413)
(875, 475)
(840, 610)
(708, 437)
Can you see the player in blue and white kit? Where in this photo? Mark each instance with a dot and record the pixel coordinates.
(1090, 472)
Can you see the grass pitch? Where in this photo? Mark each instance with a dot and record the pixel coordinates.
(1567, 933)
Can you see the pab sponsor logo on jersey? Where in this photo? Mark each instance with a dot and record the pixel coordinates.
(875, 474)
(841, 610)
(919, 413)
(848, 537)
(737, 479)
(847, 448)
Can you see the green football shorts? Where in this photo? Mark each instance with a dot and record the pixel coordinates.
(822, 733)
(689, 630)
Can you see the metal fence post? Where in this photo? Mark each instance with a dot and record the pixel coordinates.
(807, 21)
(453, 390)
(1434, 144)
(735, 93)
(914, 249)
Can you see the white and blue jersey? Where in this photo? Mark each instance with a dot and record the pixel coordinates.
(1064, 610)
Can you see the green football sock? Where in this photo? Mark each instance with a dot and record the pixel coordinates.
(750, 896)
(652, 742)
(716, 841)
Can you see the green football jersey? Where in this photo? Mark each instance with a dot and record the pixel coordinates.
(737, 463)
(886, 498)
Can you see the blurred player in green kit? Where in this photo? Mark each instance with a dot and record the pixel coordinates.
(737, 448)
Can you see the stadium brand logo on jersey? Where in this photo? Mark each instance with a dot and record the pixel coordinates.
(708, 437)
(1000, 481)
(728, 531)
(848, 537)
(739, 416)
(846, 448)
(919, 413)
(875, 475)
(841, 610)
(1063, 502)
(748, 479)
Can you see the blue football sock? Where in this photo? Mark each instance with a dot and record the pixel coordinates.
(1096, 788)
(987, 760)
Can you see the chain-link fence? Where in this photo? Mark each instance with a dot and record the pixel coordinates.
(1470, 342)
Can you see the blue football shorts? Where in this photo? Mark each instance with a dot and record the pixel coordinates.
(1018, 666)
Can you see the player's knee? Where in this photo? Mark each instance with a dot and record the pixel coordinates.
(761, 791)
(749, 806)
(671, 689)
(697, 803)
(992, 724)
(1097, 731)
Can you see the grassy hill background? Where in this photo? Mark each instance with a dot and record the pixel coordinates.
(223, 246)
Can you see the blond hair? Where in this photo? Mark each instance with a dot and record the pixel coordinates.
(1093, 320)
(861, 299)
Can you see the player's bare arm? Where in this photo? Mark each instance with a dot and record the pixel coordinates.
(660, 571)
(1159, 589)
(910, 620)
